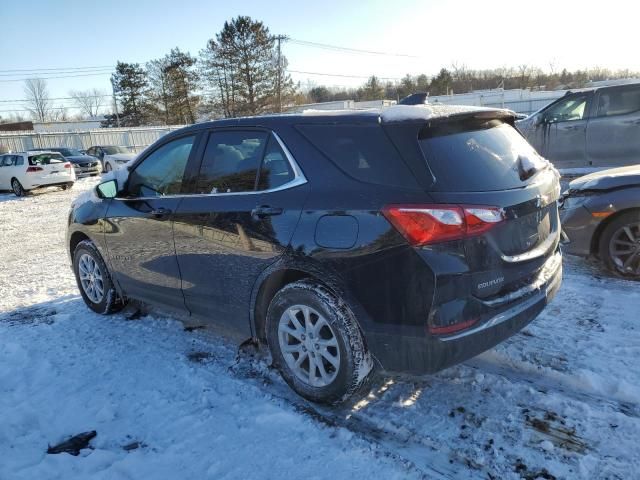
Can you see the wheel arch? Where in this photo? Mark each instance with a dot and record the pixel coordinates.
(75, 239)
(278, 276)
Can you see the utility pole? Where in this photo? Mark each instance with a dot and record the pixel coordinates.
(279, 38)
(115, 102)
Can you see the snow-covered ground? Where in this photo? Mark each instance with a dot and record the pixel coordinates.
(559, 400)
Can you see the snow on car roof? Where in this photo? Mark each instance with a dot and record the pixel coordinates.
(399, 113)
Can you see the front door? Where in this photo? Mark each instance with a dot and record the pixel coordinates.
(139, 227)
(560, 136)
(245, 204)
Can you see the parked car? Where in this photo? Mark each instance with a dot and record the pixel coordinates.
(413, 238)
(112, 157)
(22, 172)
(601, 217)
(83, 165)
(597, 127)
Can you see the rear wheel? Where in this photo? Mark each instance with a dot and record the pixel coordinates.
(94, 280)
(620, 245)
(67, 186)
(17, 188)
(316, 343)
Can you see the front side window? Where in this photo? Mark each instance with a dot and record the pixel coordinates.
(619, 102)
(162, 172)
(567, 110)
(231, 161)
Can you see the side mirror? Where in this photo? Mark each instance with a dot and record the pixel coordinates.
(108, 189)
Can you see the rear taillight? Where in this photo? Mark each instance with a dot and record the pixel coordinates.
(425, 224)
(34, 169)
(67, 165)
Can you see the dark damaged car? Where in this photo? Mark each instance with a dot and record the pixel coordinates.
(411, 239)
(601, 218)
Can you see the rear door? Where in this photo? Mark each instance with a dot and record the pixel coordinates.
(139, 229)
(613, 132)
(560, 135)
(245, 202)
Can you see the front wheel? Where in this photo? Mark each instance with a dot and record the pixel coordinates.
(94, 280)
(316, 343)
(620, 245)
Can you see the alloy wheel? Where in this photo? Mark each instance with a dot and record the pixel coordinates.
(309, 345)
(91, 278)
(624, 249)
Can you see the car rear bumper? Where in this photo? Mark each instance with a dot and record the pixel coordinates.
(428, 354)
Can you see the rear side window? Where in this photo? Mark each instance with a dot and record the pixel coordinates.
(231, 161)
(275, 170)
(363, 152)
(619, 102)
(483, 158)
(46, 159)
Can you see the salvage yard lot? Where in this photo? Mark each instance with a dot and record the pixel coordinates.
(561, 399)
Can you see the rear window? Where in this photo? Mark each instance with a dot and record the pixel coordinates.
(361, 151)
(46, 159)
(476, 157)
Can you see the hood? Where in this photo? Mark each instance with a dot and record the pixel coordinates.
(608, 179)
(81, 158)
(122, 156)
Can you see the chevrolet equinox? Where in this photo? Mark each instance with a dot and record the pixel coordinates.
(410, 238)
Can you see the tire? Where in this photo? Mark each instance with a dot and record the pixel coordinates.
(17, 188)
(338, 346)
(107, 167)
(67, 186)
(85, 259)
(622, 235)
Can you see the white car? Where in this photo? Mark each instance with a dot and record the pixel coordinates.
(111, 156)
(22, 172)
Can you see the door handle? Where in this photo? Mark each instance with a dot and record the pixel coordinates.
(265, 211)
(160, 212)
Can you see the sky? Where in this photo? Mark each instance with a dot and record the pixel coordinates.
(424, 36)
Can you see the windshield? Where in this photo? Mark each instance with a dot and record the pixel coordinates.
(67, 152)
(114, 150)
(46, 159)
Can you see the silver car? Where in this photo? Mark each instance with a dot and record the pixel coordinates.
(588, 128)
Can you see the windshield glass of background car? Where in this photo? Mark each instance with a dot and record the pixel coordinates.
(569, 109)
(162, 172)
(477, 160)
(619, 102)
(46, 159)
(68, 152)
(115, 150)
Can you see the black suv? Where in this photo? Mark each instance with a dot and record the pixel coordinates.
(411, 238)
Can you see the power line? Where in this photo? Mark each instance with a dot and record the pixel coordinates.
(62, 72)
(327, 46)
(340, 75)
(56, 98)
(50, 78)
(101, 67)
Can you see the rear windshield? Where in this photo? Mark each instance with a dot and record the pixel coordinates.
(46, 159)
(478, 157)
(362, 151)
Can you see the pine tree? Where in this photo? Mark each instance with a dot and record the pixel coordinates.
(130, 87)
(241, 66)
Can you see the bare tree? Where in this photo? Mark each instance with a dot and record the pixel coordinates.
(88, 101)
(37, 98)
